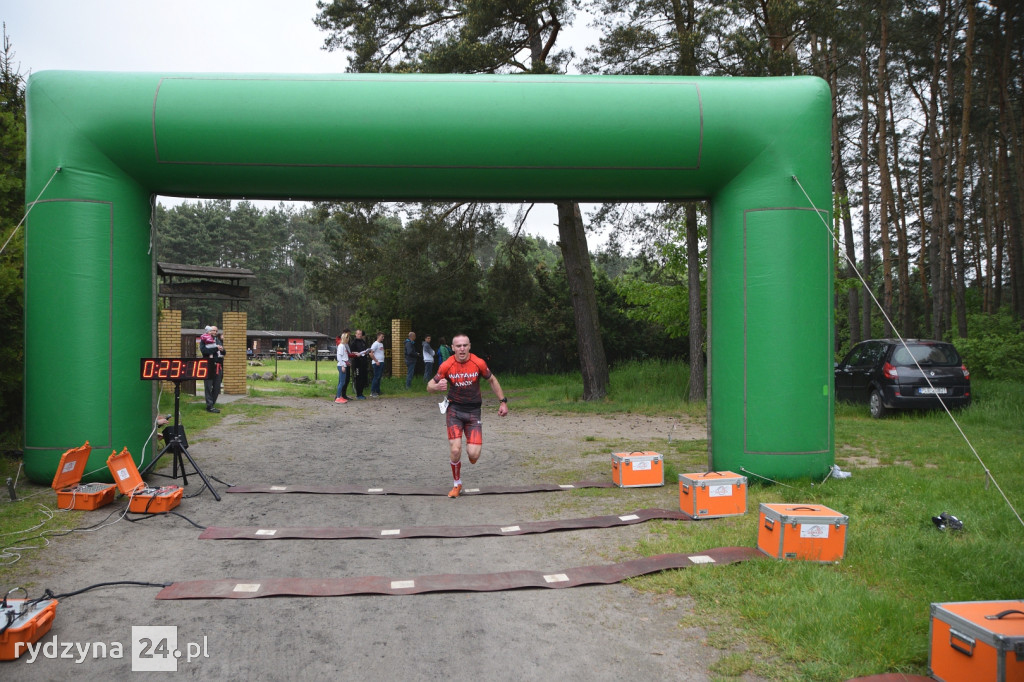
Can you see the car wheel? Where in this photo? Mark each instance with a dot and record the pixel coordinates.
(878, 409)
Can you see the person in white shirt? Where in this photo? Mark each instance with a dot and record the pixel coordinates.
(428, 359)
(377, 358)
(343, 363)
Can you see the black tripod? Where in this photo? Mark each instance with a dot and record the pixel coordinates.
(177, 444)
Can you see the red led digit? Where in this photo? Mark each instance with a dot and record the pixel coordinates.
(164, 366)
(175, 369)
(147, 369)
(202, 368)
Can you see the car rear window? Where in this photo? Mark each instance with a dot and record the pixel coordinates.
(932, 354)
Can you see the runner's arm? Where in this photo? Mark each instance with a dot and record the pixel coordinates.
(496, 387)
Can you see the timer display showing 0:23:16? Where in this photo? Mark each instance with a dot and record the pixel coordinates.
(172, 369)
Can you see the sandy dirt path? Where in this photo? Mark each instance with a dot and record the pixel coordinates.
(588, 633)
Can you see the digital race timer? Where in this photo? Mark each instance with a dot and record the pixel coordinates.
(174, 369)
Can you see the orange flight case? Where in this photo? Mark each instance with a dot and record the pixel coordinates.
(28, 626)
(637, 469)
(144, 500)
(713, 494)
(811, 532)
(71, 492)
(977, 640)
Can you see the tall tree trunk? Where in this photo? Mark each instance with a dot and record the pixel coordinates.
(573, 242)
(959, 283)
(936, 258)
(1011, 164)
(899, 213)
(686, 65)
(988, 200)
(865, 193)
(1000, 228)
(698, 391)
(922, 262)
(883, 164)
(839, 173)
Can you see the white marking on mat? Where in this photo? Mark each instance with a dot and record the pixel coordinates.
(266, 531)
(566, 487)
(471, 490)
(556, 578)
(279, 487)
(509, 529)
(629, 517)
(246, 587)
(701, 559)
(391, 531)
(375, 490)
(402, 584)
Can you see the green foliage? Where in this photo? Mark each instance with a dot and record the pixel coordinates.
(430, 264)
(446, 36)
(271, 243)
(12, 208)
(663, 297)
(994, 346)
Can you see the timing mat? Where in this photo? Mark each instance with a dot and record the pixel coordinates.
(450, 582)
(361, 532)
(414, 490)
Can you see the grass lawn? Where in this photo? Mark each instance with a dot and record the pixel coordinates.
(867, 614)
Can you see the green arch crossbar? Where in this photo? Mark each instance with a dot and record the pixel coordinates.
(119, 138)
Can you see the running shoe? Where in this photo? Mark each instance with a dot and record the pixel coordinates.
(340, 401)
(456, 491)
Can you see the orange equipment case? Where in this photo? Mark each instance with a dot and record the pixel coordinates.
(71, 493)
(811, 532)
(27, 628)
(144, 500)
(977, 640)
(638, 469)
(713, 494)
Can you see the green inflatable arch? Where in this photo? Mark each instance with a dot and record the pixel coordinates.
(119, 138)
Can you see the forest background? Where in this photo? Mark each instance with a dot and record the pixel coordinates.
(928, 173)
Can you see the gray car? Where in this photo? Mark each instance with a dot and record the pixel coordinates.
(888, 374)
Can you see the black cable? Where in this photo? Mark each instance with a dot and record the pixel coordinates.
(48, 595)
(153, 514)
(230, 485)
(60, 533)
(93, 587)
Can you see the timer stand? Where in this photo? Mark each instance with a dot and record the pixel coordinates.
(177, 445)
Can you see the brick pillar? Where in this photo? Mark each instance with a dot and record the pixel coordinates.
(234, 326)
(168, 339)
(399, 333)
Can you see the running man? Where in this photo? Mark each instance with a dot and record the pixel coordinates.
(460, 376)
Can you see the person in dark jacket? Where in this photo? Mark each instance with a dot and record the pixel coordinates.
(212, 348)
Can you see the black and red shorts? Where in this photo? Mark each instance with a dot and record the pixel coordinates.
(464, 420)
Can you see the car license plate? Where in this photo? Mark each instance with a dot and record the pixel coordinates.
(928, 390)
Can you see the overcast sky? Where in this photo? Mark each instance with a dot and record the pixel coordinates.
(190, 35)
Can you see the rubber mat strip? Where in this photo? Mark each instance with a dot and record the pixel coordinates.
(360, 532)
(450, 582)
(413, 490)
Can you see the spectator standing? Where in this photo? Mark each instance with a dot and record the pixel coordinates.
(377, 360)
(359, 351)
(410, 358)
(212, 348)
(343, 364)
(444, 351)
(428, 359)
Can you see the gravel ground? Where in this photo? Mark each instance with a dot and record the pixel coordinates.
(588, 633)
